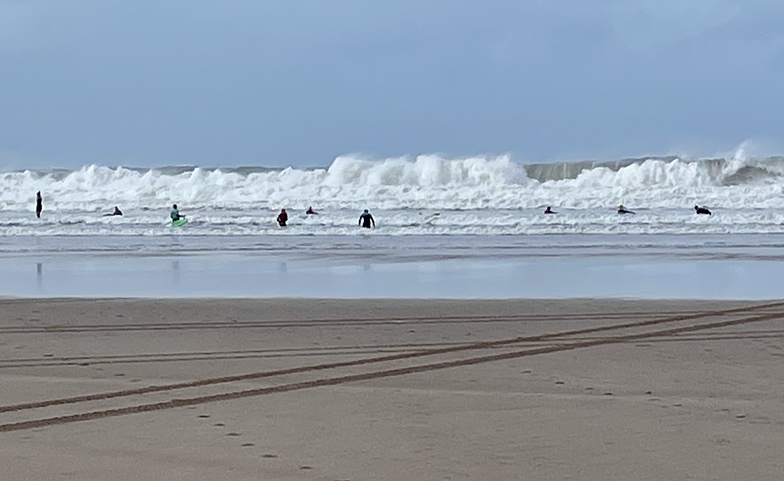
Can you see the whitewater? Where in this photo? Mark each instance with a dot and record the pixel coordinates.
(419, 195)
(445, 227)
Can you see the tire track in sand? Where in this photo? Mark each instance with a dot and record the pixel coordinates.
(379, 374)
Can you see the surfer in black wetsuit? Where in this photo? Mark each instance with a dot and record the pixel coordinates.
(117, 211)
(365, 220)
(548, 210)
(624, 210)
(282, 218)
(310, 211)
(39, 204)
(701, 210)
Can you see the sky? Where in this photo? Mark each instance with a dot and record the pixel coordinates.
(298, 82)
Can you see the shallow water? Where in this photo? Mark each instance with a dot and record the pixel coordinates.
(374, 265)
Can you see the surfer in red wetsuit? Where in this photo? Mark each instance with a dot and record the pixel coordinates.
(282, 218)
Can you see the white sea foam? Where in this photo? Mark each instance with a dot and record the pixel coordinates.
(477, 195)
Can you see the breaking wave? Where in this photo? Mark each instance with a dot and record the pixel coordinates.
(420, 182)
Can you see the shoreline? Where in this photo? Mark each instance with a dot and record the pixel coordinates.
(366, 276)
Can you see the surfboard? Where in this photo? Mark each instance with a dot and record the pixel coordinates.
(179, 222)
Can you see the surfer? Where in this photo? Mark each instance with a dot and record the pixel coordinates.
(624, 210)
(175, 213)
(282, 218)
(310, 211)
(548, 210)
(365, 220)
(39, 204)
(701, 210)
(117, 211)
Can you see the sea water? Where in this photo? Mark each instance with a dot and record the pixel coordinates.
(469, 227)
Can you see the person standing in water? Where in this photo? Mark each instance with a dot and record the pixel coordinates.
(365, 220)
(282, 218)
(39, 204)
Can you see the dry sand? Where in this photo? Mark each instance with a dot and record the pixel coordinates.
(390, 390)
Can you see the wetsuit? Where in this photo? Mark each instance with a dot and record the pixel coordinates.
(366, 220)
(283, 217)
(39, 205)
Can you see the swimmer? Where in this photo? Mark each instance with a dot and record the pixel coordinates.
(117, 211)
(548, 210)
(701, 210)
(624, 210)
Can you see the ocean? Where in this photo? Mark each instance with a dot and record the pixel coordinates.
(478, 220)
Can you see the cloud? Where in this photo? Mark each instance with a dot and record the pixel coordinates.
(188, 80)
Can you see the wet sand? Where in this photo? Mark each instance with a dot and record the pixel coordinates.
(145, 389)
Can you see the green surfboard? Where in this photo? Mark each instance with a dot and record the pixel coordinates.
(179, 222)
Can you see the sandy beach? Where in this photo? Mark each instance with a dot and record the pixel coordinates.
(211, 389)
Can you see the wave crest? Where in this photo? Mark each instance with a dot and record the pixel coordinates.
(425, 181)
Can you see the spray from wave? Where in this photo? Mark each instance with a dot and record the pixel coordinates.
(420, 182)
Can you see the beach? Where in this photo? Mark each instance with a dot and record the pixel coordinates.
(394, 241)
(390, 389)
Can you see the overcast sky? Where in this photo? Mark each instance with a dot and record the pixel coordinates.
(298, 82)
